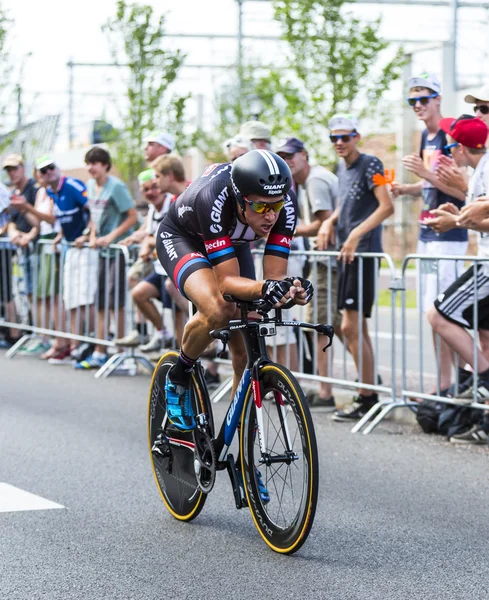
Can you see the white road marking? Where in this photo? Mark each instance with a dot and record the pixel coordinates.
(14, 499)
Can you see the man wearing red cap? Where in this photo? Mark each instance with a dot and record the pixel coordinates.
(453, 311)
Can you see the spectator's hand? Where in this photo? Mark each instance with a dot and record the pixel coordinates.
(18, 202)
(145, 253)
(80, 241)
(347, 252)
(104, 241)
(325, 235)
(15, 238)
(441, 220)
(23, 240)
(449, 207)
(472, 214)
(413, 163)
(449, 174)
(398, 189)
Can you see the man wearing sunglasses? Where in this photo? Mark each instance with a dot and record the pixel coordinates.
(435, 276)
(363, 204)
(227, 206)
(317, 194)
(480, 100)
(453, 312)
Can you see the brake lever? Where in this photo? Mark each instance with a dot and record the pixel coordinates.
(328, 331)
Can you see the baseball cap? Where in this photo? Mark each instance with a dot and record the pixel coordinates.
(426, 80)
(291, 145)
(12, 160)
(255, 130)
(479, 94)
(44, 161)
(343, 121)
(163, 139)
(466, 130)
(145, 176)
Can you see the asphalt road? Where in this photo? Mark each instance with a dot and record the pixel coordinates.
(400, 516)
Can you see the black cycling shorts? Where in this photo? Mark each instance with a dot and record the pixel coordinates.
(349, 285)
(181, 255)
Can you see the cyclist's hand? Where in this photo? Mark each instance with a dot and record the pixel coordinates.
(278, 293)
(305, 290)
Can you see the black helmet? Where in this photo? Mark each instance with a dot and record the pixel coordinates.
(262, 173)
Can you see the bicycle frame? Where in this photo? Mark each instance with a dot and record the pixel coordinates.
(254, 333)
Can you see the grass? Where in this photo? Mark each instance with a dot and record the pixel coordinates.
(385, 298)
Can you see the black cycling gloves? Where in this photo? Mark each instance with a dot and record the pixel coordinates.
(306, 284)
(273, 291)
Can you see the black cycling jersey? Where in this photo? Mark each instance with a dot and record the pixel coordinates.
(201, 227)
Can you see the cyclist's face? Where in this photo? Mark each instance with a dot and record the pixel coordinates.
(151, 191)
(261, 223)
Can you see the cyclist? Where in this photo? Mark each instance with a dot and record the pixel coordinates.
(230, 204)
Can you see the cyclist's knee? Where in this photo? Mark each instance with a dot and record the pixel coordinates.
(218, 312)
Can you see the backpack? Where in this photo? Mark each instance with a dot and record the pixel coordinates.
(456, 419)
(428, 415)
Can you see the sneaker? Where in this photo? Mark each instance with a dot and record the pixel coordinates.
(61, 357)
(133, 338)
(34, 347)
(212, 381)
(475, 435)
(82, 352)
(482, 394)
(360, 407)
(463, 386)
(179, 405)
(91, 362)
(264, 495)
(314, 399)
(154, 344)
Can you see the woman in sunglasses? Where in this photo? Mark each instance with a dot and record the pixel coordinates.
(230, 204)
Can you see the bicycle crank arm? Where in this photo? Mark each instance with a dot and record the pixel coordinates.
(287, 458)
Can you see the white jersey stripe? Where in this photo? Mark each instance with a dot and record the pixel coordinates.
(271, 162)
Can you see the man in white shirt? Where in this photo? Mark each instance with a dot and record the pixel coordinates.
(317, 192)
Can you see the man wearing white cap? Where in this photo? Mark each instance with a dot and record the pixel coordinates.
(480, 99)
(158, 143)
(364, 203)
(425, 99)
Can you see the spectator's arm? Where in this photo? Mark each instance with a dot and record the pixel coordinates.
(129, 221)
(406, 189)
(415, 164)
(382, 212)
(311, 229)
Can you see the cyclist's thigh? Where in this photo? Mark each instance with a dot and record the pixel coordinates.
(180, 256)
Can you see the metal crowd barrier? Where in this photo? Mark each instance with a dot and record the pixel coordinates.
(68, 296)
(75, 294)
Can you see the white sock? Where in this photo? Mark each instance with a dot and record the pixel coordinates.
(98, 354)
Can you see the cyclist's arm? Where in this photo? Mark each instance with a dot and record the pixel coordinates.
(230, 282)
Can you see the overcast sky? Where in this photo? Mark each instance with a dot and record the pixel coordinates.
(56, 30)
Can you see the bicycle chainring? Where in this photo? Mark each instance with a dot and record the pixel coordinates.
(204, 458)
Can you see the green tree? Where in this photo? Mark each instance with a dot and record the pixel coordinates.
(136, 39)
(334, 63)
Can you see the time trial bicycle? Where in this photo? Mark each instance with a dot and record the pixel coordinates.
(276, 471)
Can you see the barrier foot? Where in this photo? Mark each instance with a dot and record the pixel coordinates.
(366, 418)
(383, 413)
(11, 352)
(107, 368)
(147, 364)
(222, 390)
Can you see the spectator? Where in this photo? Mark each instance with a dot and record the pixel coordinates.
(158, 144)
(49, 309)
(453, 312)
(317, 192)
(447, 171)
(363, 204)
(424, 97)
(112, 218)
(7, 306)
(70, 200)
(152, 286)
(258, 133)
(237, 146)
(21, 232)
